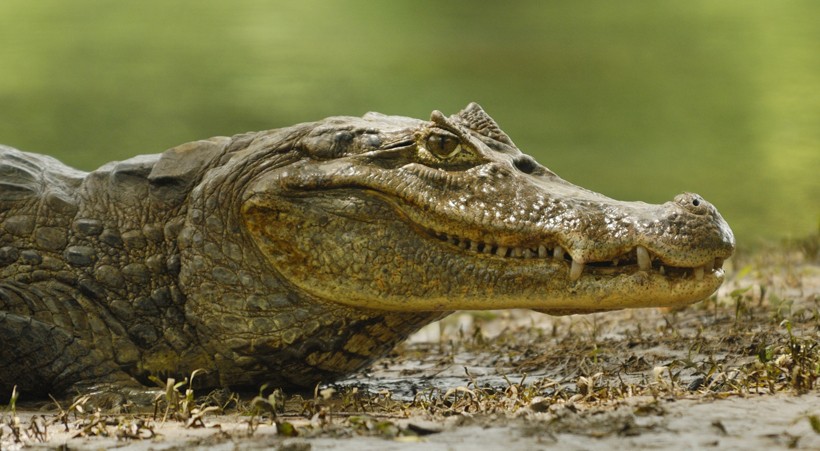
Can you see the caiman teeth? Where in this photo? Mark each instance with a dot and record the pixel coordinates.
(644, 262)
(575, 270)
(640, 259)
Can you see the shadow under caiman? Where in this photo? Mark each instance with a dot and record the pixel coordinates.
(301, 254)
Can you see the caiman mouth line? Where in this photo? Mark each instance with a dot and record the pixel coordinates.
(638, 259)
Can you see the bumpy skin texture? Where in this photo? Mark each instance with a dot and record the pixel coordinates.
(298, 255)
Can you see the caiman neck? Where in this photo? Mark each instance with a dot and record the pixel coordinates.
(257, 325)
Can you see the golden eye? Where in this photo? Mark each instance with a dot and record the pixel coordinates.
(443, 146)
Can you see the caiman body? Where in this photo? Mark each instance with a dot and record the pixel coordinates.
(301, 254)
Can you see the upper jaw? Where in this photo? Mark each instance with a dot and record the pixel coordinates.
(589, 234)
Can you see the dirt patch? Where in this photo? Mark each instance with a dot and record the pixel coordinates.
(739, 370)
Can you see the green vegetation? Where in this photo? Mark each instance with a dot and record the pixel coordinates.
(635, 101)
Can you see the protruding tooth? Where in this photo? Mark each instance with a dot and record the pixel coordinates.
(643, 258)
(517, 252)
(474, 246)
(575, 270)
(542, 251)
(528, 253)
(698, 273)
(558, 252)
(501, 251)
(710, 265)
(464, 244)
(663, 270)
(488, 249)
(615, 261)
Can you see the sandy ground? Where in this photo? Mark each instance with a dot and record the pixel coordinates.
(738, 371)
(756, 422)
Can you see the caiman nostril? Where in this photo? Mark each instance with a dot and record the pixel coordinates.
(692, 203)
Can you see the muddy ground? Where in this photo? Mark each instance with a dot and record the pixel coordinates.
(739, 370)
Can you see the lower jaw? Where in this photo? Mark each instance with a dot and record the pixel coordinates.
(639, 289)
(594, 294)
(549, 290)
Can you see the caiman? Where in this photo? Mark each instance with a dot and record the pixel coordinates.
(302, 254)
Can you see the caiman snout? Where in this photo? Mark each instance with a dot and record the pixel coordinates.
(689, 232)
(716, 229)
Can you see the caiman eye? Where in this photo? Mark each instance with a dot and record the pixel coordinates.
(443, 146)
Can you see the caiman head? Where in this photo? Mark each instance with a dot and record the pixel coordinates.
(397, 214)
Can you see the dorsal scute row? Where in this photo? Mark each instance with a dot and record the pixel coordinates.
(25, 176)
(167, 177)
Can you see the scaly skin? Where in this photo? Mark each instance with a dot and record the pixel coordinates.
(301, 254)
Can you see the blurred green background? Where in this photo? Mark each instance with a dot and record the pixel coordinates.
(637, 100)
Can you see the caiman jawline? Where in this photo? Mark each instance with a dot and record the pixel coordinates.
(637, 259)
